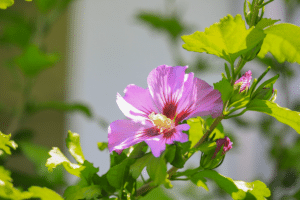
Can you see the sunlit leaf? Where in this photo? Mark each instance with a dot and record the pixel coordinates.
(284, 115)
(6, 3)
(58, 158)
(44, 193)
(266, 22)
(237, 189)
(6, 143)
(102, 146)
(7, 189)
(196, 130)
(227, 39)
(33, 60)
(73, 144)
(283, 42)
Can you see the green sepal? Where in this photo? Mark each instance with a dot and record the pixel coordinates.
(267, 83)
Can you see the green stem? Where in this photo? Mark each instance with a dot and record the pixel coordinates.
(147, 187)
(18, 119)
(255, 9)
(241, 63)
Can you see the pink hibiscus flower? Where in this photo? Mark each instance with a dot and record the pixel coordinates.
(155, 113)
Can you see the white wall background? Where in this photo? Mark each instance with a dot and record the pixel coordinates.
(110, 50)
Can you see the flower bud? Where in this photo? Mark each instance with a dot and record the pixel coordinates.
(243, 83)
(214, 159)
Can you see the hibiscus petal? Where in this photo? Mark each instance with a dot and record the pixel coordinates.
(140, 98)
(129, 110)
(179, 136)
(165, 86)
(157, 145)
(199, 99)
(125, 133)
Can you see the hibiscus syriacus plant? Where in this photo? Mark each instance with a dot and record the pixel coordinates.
(156, 113)
(179, 115)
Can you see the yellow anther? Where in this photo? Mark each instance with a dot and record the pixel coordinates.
(160, 121)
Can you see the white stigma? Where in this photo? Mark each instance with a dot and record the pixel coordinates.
(160, 121)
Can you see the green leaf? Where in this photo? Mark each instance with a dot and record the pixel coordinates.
(225, 88)
(284, 115)
(7, 190)
(283, 42)
(169, 153)
(102, 146)
(237, 189)
(33, 107)
(78, 192)
(155, 193)
(38, 155)
(88, 172)
(73, 144)
(206, 147)
(158, 21)
(33, 61)
(44, 193)
(117, 175)
(157, 169)
(45, 6)
(200, 182)
(196, 130)
(266, 22)
(6, 3)
(58, 158)
(227, 39)
(178, 159)
(15, 29)
(6, 144)
(137, 167)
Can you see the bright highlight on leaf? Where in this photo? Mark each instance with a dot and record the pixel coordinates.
(283, 42)
(58, 158)
(6, 144)
(73, 144)
(227, 39)
(6, 3)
